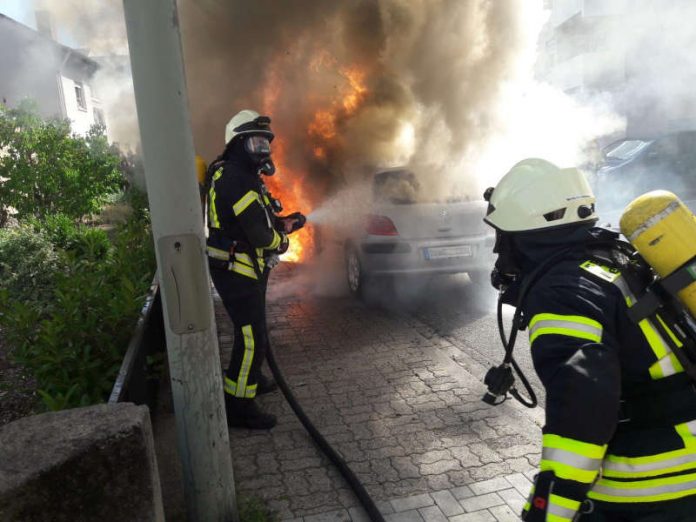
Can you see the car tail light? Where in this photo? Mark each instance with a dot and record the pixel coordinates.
(380, 226)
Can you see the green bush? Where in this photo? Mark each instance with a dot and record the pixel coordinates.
(58, 228)
(29, 264)
(73, 342)
(81, 241)
(46, 169)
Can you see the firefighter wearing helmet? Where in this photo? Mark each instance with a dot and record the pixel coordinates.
(244, 241)
(619, 442)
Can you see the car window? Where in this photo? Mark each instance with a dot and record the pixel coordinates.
(399, 187)
(626, 149)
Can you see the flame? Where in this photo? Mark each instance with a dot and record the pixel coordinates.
(358, 89)
(288, 187)
(322, 132)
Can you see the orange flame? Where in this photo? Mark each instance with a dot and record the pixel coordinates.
(358, 89)
(323, 132)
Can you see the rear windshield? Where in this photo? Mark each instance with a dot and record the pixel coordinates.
(626, 149)
(396, 186)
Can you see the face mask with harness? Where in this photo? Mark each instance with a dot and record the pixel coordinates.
(663, 232)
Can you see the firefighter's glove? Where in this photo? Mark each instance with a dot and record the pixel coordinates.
(284, 244)
(272, 261)
(536, 507)
(550, 495)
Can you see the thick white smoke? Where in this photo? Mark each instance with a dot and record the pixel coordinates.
(445, 86)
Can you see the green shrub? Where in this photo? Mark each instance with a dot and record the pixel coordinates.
(81, 241)
(29, 264)
(74, 341)
(46, 169)
(58, 228)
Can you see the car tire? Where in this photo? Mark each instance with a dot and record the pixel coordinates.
(355, 273)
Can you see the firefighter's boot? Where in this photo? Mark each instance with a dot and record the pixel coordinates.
(265, 384)
(244, 413)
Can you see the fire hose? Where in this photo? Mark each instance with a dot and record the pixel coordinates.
(335, 458)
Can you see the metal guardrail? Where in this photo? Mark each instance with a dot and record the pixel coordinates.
(138, 377)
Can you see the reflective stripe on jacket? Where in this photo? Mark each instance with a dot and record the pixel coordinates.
(589, 356)
(239, 211)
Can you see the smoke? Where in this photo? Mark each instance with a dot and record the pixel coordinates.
(444, 86)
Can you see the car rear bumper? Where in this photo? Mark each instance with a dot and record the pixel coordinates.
(380, 256)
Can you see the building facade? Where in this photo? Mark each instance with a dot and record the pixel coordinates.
(33, 66)
(638, 53)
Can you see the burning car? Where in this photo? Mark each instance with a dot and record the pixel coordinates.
(634, 166)
(402, 233)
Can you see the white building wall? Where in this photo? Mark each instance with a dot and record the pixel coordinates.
(81, 118)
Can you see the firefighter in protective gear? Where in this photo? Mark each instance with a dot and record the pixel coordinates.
(619, 443)
(244, 241)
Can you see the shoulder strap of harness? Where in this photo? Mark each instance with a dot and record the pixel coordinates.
(636, 281)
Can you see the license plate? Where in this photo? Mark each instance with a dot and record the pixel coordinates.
(447, 252)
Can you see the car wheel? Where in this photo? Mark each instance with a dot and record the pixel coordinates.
(354, 272)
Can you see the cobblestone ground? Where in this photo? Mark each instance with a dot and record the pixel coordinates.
(387, 392)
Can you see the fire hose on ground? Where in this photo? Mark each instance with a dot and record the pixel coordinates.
(360, 492)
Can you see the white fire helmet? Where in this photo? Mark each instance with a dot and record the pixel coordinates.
(248, 122)
(536, 195)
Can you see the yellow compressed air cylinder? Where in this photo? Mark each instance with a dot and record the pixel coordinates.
(201, 168)
(663, 230)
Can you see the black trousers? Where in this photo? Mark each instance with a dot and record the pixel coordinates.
(245, 301)
(680, 510)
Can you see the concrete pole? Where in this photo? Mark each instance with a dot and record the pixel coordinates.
(194, 362)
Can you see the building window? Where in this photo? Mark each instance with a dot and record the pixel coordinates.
(99, 117)
(80, 96)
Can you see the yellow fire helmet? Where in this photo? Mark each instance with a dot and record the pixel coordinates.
(536, 194)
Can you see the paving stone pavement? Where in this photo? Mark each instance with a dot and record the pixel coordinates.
(387, 394)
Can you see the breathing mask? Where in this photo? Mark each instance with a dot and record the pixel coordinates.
(259, 149)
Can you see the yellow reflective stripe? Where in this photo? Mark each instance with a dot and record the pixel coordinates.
(561, 509)
(552, 517)
(571, 459)
(603, 272)
(275, 242)
(568, 325)
(687, 431)
(266, 200)
(653, 490)
(567, 503)
(212, 196)
(658, 464)
(231, 388)
(564, 471)
(242, 269)
(585, 449)
(667, 363)
(243, 202)
(654, 338)
(676, 341)
(218, 253)
(247, 360)
(245, 259)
